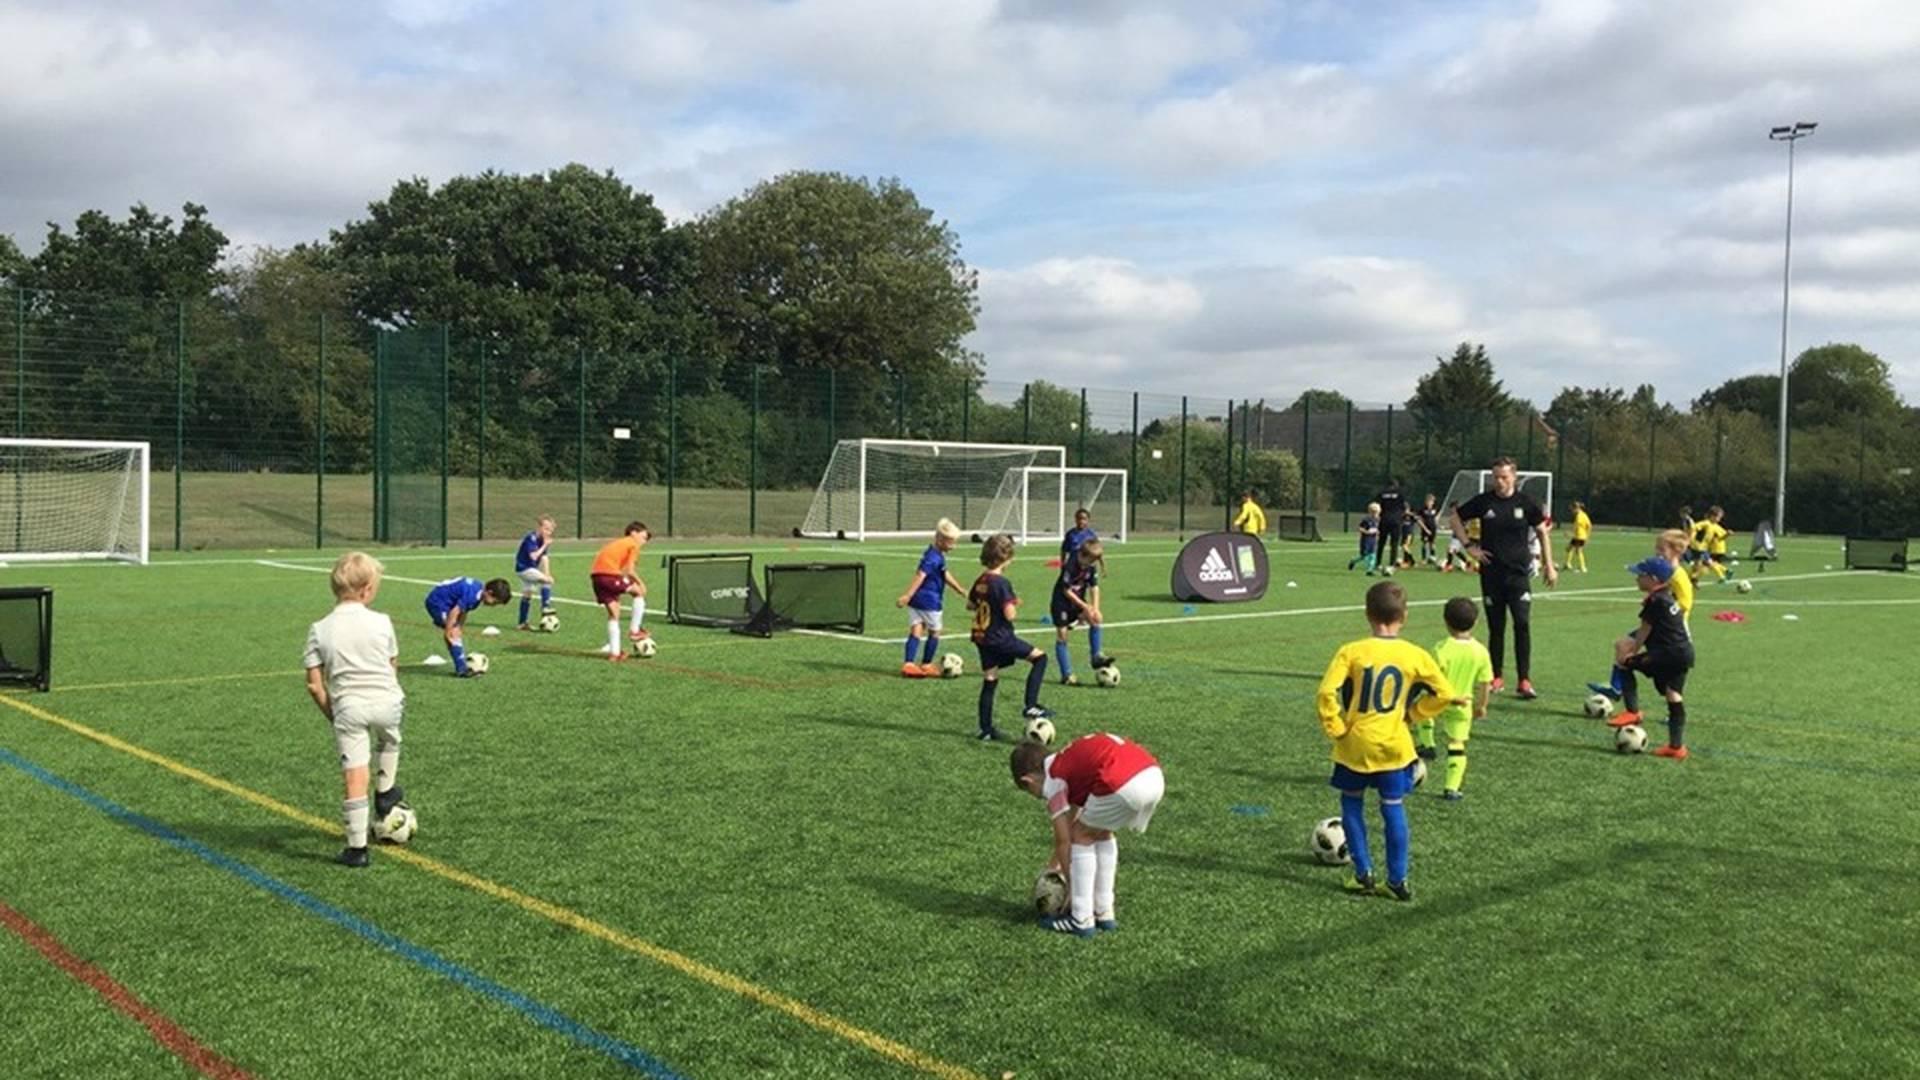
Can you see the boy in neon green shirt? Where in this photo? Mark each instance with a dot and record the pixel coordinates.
(1466, 663)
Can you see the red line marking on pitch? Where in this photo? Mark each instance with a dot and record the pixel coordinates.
(164, 1031)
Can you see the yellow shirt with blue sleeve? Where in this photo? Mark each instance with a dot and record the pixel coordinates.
(1364, 701)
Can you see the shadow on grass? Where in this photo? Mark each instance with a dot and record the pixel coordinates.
(1304, 676)
(1600, 746)
(1286, 867)
(1266, 777)
(285, 840)
(949, 903)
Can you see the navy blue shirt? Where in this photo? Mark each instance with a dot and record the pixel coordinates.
(989, 597)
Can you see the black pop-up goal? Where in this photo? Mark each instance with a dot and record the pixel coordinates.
(26, 636)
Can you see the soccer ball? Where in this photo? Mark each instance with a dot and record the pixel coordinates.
(1108, 676)
(549, 622)
(645, 648)
(398, 826)
(951, 666)
(1050, 893)
(478, 663)
(1630, 739)
(1599, 706)
(1328, 843)
(1040, 730)
(1743, 586)
(1419, 772)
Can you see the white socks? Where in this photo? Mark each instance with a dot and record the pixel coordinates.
(613, 637)
(386, 766)
(1106, 854)
(1080, 882)
(355, 813)
(639, 612)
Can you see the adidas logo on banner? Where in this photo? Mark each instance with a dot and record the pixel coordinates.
(1214, 568)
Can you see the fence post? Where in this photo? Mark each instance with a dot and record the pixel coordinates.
(179, 413)
(1026, 406)
(966, 409)
(1226, 495)
(1306, 426)
(673, 432)
(1246, 434)
(753, 456)
(1183, 466)
(1133, 470)
(1082, 462)
(379, 432)
(1426, 457)
(1346, 475)
(20, 365)
(580, 451)
(1591, 428)
(899, 404)
(480, 451)
(320, 435)
(446, 413)
(1560, 464)
(1389, 475)
(1718, 439)
(1529, 454)
(1653, 435)
(1862, 488)
(1499, 429)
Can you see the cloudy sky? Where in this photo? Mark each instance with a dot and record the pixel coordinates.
(1223, 198)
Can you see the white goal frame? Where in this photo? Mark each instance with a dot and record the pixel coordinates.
(139, 479)
(933, 448)
(1019, 517)
(1484, 478)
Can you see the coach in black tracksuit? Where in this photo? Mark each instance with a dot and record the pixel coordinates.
(1506, 515)
(1393, 524)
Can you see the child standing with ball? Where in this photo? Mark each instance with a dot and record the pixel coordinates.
(1365, 699)
(1661, 648)
(350, 659)
(924, 598)
(531, 565)
(995, 608)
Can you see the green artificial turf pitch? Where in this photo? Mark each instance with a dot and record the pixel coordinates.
(794, 813)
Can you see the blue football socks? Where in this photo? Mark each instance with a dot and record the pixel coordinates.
(1094, 640)
(1064, 659)
(913, 646)
(523, 611)
(1353, 818)
(1393, 815)
(930, 649)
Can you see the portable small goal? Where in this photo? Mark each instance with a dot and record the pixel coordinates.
(68, 499)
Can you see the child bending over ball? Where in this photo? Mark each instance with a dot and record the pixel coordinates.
(1098, 784)
(350, 660)
(924, 597)
(1469, 667)
(530, 564)
(450, 602)
(1364, 701)
(995, 607)
(1076, 601)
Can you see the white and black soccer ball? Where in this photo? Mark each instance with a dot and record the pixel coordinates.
(1419, 771)
(952, 666)
(1743, 586)
(1039, 730)
(1050, 893)
(1108, 676)
(1328, 842)
(478, 664)
(549, 623)
(646, 648)
(398, 826)
(1599, 706)
(1631, 739)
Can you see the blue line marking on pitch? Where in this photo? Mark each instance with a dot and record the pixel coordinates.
(547, 1017)
(1248, 810)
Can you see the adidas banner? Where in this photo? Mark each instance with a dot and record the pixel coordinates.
(1221, 567)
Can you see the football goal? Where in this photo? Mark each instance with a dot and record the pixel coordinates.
(1470, 482)
(889, 488)
(66, 499)
(1039, 501)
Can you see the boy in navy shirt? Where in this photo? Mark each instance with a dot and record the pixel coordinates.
(995, 607)
(1369, 540)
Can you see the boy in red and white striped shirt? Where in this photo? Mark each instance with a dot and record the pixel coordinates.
(1099, 783)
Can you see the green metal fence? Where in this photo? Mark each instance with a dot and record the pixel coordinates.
(284, 428)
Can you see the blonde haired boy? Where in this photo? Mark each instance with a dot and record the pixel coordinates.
(350, 660)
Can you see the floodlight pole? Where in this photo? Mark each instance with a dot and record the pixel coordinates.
(1789, 134)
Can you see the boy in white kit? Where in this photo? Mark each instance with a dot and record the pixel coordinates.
(350, 661)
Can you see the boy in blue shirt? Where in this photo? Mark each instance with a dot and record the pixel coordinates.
(531, 566)
(1369, 540)
(995, 607)
(449, 602)
(923, 600)
(1075, 602)
(1081, 532)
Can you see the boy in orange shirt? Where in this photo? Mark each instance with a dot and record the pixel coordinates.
(614, 576)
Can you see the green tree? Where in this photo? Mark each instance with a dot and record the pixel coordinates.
(1840, 383)
(1321, 401)
(12, 263)
(1460, 396)
(1757, 394)
(820, 270)
(145, 257)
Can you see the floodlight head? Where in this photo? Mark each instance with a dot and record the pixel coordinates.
(1779, 131)
(1804, 126)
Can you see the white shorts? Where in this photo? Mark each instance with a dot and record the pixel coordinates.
(1131, 807)
(356, 726)
(532, 577)
(928, 619)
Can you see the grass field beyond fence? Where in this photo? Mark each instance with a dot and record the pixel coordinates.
(778, 858)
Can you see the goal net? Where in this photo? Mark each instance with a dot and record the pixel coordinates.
(73, 499)
(1470, 482)
(880, 488)
(1039, 502)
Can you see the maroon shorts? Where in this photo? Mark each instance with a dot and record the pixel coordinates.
(609, 588)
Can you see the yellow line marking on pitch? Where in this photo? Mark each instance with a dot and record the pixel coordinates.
(183, 680)
(686, 965)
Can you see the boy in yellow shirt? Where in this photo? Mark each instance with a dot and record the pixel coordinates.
(1468, 667)
(1582, 529)
(1364, 701)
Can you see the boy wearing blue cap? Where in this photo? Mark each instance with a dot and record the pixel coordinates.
(1661, 648)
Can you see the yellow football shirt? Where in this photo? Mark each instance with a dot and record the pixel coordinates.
(1466, 664)
(1364, 701)
(1582, 525)
(1681, 583)
(1717, 538)
(1698, 539)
